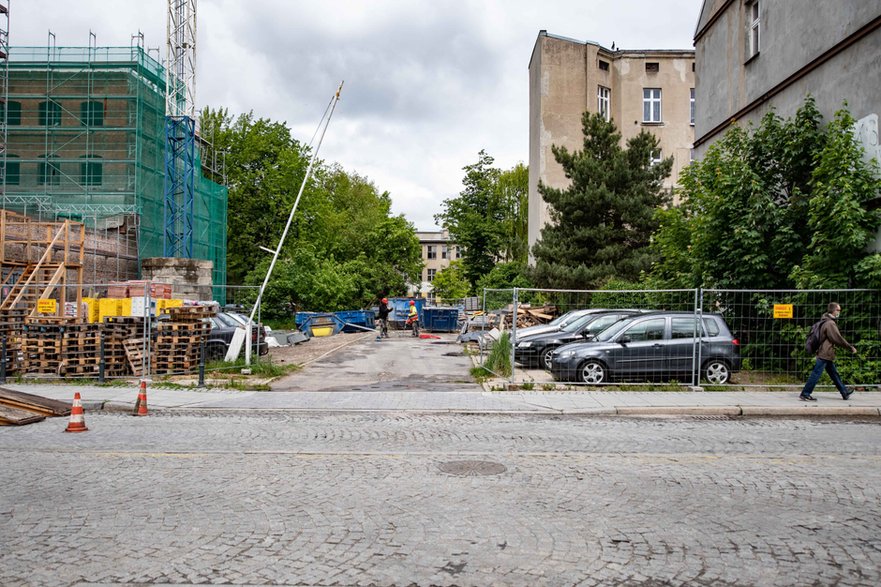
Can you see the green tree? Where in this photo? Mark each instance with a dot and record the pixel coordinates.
(778, 206)
(601, 224)
(488, 219)
(450, 282)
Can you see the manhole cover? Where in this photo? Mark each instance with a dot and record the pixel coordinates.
(472, 468)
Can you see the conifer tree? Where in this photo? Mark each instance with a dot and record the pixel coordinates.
(602, 223)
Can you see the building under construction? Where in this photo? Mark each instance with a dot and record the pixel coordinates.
(86, 142)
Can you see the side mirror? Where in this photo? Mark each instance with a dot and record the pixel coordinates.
(624, 339)
(588, 336)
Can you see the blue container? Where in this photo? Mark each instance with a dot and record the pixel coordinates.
(441, 319)
(365, 318)
(401, 308)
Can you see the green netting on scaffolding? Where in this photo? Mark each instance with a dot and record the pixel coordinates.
(86, 141)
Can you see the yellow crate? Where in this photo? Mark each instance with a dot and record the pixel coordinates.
(108, 307)
(92, 310)
(125, 307)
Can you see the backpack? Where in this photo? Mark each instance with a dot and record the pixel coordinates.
(812, 344)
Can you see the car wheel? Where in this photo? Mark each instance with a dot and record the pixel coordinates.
(547, 358)
(593, 372)
(215, 352)
(717, 372)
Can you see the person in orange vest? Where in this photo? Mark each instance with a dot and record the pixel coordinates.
(413, 318)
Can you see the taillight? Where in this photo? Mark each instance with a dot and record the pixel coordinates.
(735, 342)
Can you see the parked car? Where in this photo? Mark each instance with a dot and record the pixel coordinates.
(223, 327)
(557, 323)
(648, 346)
(537, 349)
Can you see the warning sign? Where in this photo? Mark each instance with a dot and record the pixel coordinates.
(782, 310)
(47, 306)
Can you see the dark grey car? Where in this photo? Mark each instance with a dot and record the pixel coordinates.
(650, 346)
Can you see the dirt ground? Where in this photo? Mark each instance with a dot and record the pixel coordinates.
(315, 347)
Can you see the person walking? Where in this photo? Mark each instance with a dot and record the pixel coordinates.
(384, 311)
(830, 337)
(413, 318)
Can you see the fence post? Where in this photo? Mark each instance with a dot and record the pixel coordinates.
(202, 362)
(513, 336)
(699, 314)
(3, 360)
(101, 357)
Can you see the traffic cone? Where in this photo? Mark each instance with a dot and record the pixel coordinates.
(77, 419)
(141, 405)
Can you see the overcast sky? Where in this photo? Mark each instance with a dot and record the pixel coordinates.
(427, 83)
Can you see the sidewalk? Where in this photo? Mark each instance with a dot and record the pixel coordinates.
(623, 403)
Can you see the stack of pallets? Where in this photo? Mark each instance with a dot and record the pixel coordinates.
(42, 345)
(81, 349)
(12, 326)
(122, 333)
(179, 339)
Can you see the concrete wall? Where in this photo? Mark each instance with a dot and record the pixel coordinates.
(564, 75)
(191, 278)
(793, 34)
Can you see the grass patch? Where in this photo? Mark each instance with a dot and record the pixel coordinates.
(261, 368)
(481, 374)
(499, 358)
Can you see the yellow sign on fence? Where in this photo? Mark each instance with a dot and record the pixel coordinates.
(782, 310)
(47, 306)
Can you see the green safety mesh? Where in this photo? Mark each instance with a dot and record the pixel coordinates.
(86, 141)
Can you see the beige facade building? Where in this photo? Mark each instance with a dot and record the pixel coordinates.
(638, 89)
(437, 252)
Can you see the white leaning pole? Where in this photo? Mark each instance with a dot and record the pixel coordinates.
(333, 102)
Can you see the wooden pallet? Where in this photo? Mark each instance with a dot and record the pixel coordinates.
(134, 351)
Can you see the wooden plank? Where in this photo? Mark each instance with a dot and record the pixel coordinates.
(10, 416)
(34, 403)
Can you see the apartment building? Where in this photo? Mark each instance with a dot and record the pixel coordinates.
(437, 252)
(650, 90)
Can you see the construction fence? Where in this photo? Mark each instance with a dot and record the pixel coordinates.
(740, 338)
(121, 330)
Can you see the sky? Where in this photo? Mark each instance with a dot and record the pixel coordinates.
(428, 84)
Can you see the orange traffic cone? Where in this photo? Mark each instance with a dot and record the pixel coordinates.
(77, 419)
(141, 404)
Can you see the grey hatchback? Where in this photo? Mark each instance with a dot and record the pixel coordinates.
(648, 346)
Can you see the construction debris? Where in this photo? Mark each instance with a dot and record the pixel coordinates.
(17, 408)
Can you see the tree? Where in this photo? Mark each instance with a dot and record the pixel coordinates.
(778, 206)
(602, 222)
(344, 249)
(488, 218)
(450, 282)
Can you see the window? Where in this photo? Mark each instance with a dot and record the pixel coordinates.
(648, 330)
(13, 170)
(92, 113)
(754, 25)
(432, 252)
(12, 111)
(431, 274)
(651, 104)
(711, 327)
(652, 67)
(683, 327)
(91, 172)
(603, 65)
(691, 100)
(48, 172)
(50, 113)
(656, 157)
(604, 100)
(444, 251)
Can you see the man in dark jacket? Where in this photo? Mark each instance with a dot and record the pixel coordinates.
(830, 337)
(383, 317)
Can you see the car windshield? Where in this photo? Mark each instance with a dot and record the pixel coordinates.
(227, 320)
(607, 334)
(560, 319)
(576, 324)
(601, 323)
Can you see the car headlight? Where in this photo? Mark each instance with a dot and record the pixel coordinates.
(524, 344)
(564, 354)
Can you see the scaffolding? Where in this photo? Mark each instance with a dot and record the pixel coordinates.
(86, 142)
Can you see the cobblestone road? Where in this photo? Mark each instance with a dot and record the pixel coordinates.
(274, 498)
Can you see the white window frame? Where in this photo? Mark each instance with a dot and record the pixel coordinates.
(754, 28)
(656, 157)
(691, 103)
(604, 102)
(651, 105)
